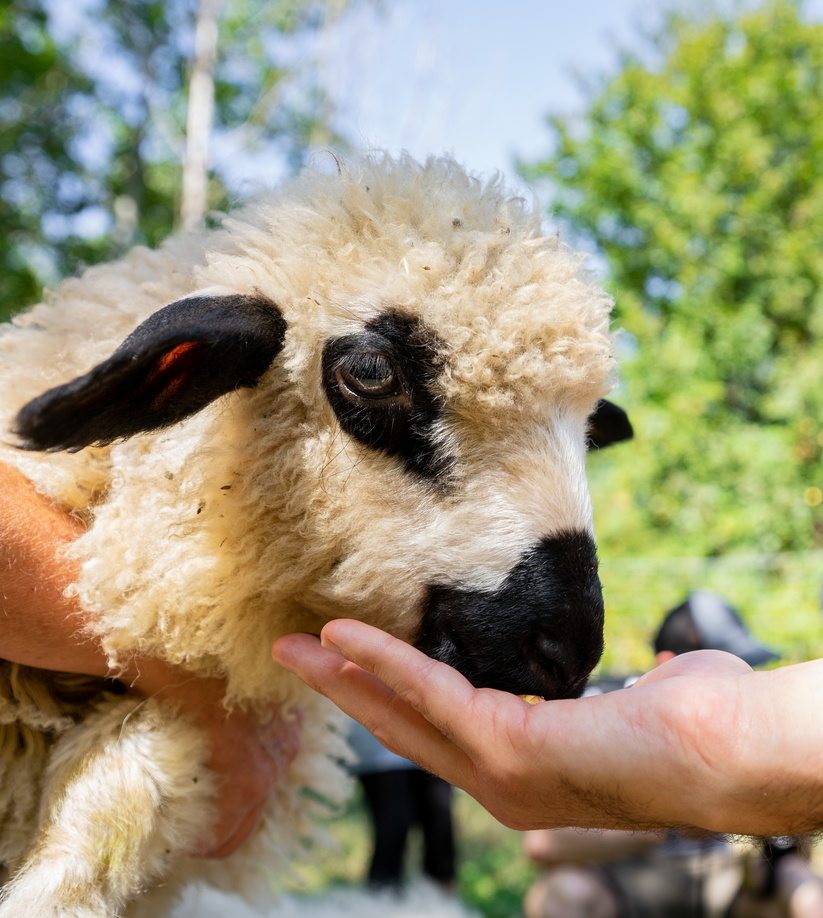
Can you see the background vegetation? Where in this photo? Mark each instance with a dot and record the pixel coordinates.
(94, 98)
(493, 875)
(692, 174)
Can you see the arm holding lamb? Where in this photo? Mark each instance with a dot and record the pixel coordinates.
(42, 628)
(39, 624)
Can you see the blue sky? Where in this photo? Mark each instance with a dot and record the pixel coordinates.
(476, 77)
(473, 78)
(470, 77)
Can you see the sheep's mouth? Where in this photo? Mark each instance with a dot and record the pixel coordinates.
(521, 676)
(512, 676)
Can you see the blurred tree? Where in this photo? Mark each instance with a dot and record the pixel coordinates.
(696, 172)
(40, 176)
(93, 113)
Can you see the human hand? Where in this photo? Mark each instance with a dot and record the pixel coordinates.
(249, 753)
(249, 756)
(665, 752)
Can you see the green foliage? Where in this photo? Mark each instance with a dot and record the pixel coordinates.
(776, 594)
(40, 175)
(92, 117)
(695, 172)
(493, 872)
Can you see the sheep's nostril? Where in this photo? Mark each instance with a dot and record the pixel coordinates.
(549, 658)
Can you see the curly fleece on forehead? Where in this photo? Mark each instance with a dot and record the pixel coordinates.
(519, 320)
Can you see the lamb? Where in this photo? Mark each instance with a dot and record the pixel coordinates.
(367, 394)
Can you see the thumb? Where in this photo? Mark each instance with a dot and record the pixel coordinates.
(697, 663)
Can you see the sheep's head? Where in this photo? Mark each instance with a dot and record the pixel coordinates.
(422, 371)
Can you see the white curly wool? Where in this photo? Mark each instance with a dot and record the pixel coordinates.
(420, 900)
(258, 516)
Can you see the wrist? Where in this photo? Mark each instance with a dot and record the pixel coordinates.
(712, 755)
(757, 753)
(155, 678)
(672, 748)
(778, 787)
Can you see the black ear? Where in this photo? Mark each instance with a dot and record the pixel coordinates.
(608, 424)
(180, 359)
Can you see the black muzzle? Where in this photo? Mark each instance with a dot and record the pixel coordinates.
(540, 633)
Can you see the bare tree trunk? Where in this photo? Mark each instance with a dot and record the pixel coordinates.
(199, 116)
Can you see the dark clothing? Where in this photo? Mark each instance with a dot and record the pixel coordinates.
(398, 800)
(680, 878)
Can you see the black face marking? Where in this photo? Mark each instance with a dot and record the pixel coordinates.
(540, 633)
(175, 363)
(381, 384)
(608, 424)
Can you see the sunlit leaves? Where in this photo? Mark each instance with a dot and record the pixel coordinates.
(93, 113)
(696, 171)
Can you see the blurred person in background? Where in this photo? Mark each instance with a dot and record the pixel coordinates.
(592, 873)
(400, 796)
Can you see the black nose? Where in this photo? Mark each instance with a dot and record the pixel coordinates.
(540, 633)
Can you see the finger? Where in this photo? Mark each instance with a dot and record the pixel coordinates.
(365, 698)
(444, 697)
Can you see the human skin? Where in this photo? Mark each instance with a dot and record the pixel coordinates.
(701, 742)
(41, 627)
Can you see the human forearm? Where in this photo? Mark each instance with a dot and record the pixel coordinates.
(40, 626)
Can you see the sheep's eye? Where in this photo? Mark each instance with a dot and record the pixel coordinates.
(368, 376)
(381, 383)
